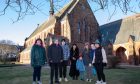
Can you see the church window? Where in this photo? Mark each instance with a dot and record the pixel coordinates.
(63, 29)
(85, 28)
(79, 29)
(83, 7)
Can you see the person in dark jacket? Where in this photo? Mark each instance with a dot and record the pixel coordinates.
(74, 55)
(99, 60)
(38, 58)
(55, 56)
(87, 62)
(63, 65)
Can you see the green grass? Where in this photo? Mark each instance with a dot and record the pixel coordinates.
(23, 75)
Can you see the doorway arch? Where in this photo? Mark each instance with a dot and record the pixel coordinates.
(120, 52)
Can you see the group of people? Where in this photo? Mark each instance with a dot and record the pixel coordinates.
(59, 56)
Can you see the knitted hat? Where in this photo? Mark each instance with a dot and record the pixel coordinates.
(97, 42)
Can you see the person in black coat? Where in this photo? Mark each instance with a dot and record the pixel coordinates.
(99, 61)
(55, 56)
(74, 55)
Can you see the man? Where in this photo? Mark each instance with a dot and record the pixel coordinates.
(63, 65)
(55, 56)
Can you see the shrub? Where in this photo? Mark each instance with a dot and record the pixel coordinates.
(113, 61)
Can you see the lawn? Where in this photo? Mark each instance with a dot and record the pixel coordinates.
(23, 75)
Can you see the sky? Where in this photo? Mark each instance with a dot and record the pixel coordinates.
(17, 32)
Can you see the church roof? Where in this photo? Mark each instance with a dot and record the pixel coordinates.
(52, 20)
(119, 31)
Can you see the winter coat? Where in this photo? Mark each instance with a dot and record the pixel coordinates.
(80, 65)
(66, 52)
(38, 56)
(86, 57)
(74, 54)
(55, 53)
(99, 56)
(73, 71)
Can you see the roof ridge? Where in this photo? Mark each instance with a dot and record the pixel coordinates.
(64, 8)
(111, 23)
(125, 18)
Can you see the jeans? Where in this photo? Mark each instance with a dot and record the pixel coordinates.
(63, 69)
(37, 73)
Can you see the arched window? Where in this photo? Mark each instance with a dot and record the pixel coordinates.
(85, 28)
(79, 30)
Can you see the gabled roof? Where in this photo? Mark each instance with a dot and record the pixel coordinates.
(43, 26)
(109, 31)
(120, 31)
(52, 20)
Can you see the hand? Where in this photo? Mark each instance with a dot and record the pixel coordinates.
(93, 64)
(104, 64)
(73, 58)
(61, 60)
(90, 65)
(50, 61)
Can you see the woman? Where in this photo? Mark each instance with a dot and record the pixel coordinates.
(92, 52)
(38, 58)
(99, 61)
(74, 55)
(87, 62)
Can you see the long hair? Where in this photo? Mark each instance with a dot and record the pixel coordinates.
(75, 48)
(39, 40)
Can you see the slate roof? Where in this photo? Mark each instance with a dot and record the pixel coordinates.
(118, 32)
(52, 20)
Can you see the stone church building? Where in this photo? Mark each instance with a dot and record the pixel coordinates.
(75, 21)
(123, 36)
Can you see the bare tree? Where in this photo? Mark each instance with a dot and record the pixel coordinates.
(28, 7)
(9, 42)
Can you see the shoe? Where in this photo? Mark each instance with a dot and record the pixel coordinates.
(60, 79)
(87, 80)
(73, 78)
(82, 79)
(103, 83)
(76, 78)
(51, 83)
(66, 80)
(57, 82)
(90, 80)
(39, 82)
(34, 82)
(98, 82)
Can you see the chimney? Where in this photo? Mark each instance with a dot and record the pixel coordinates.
(51, 8)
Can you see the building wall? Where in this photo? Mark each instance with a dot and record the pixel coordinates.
(77, 28)
(84, 27)
(25, 55)
(129, 51)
